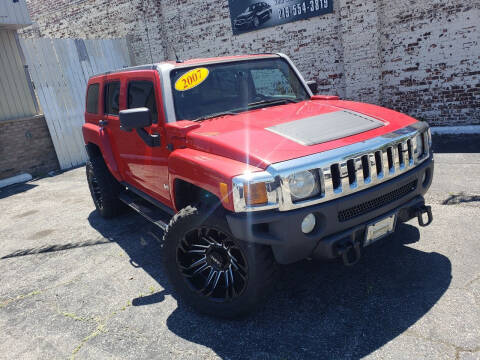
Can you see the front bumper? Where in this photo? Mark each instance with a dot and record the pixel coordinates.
(282, 230)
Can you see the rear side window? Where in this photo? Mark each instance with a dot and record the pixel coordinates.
(112, 96)
(92, 98)
(142, 94)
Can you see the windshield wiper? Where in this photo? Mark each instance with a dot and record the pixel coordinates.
(273, 102)
(257, 104)
(215, 115)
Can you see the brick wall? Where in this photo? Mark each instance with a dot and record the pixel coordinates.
(420, 57)
(26, 147)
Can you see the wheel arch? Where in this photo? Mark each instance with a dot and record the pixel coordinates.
(97, 144)
(187, 193)
(205, 171)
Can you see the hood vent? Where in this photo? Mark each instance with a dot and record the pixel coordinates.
(326, 127)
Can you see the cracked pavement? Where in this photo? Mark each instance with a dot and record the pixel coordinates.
(76, 286)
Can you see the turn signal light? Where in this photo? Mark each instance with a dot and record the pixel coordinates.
(224, 192)
(255, 194)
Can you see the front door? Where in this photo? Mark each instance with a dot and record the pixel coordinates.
(144, 167)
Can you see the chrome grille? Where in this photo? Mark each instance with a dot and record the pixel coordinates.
(351, 174)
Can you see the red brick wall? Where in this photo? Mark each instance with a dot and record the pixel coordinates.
(420, 57)
(26, 147)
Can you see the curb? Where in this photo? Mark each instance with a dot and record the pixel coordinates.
(455, 130)
(15, 180)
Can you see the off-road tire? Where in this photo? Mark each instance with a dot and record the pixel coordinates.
(104, 188)
(261, 265)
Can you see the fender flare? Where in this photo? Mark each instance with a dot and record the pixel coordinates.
(94, 134)
(205, 171)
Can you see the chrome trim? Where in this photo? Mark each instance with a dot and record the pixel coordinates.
(385, 148)
(297, 72)
(239, 202)
(167, 97)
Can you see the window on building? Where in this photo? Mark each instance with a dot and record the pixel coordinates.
(142, 94)
(92, 98)
(112, 96)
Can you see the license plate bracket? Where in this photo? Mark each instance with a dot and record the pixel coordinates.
(379, 229)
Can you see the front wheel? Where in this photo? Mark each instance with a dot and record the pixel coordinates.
(211, 270)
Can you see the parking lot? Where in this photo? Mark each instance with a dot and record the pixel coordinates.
(74, 285)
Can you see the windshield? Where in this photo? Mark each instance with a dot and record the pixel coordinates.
(229, 88)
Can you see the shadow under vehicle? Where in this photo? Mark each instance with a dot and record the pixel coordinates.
(318, 310)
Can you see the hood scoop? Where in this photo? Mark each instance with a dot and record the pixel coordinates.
(326, 127)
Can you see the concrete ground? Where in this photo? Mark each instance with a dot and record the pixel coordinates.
(73, 285)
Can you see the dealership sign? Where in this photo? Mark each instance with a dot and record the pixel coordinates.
(249, 15)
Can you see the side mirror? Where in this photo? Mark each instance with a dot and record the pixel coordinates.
(135, 118)
(312, 84)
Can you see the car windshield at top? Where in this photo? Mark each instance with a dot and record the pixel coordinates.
(210, 90)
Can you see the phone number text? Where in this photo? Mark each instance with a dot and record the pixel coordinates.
(300, 8)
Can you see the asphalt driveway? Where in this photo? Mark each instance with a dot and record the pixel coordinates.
(73, 285)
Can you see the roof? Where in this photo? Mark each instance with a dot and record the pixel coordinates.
(190, 62)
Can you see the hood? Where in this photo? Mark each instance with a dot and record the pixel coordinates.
(273, 134)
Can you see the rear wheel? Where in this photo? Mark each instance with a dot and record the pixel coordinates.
(211, 270)
(104, 188)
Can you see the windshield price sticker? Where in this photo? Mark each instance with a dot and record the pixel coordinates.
(191, 79)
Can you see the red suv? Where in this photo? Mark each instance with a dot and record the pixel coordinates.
(244, 168)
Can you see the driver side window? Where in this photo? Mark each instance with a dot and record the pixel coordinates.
(141, 93)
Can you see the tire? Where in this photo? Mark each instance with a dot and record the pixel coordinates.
(242, 275)
(104, 188)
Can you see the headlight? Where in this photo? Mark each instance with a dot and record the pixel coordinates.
(303, 185)
(420, 147)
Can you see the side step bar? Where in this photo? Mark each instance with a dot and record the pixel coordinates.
(149, 211)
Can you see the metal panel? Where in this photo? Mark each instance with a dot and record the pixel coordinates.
(16, 100)
(14, 15)
(326, 127)
(60, 69)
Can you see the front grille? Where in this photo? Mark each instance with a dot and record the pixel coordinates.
(376, 203)
(387, 162)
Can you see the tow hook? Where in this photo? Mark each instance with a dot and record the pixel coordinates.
(350, 252)
(424, 210)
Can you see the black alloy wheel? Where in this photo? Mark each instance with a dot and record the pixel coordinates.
(211, 270)
(212, 264)
(96, 192)
(104, 188)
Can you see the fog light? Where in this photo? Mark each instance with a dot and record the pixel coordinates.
(308, 223)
